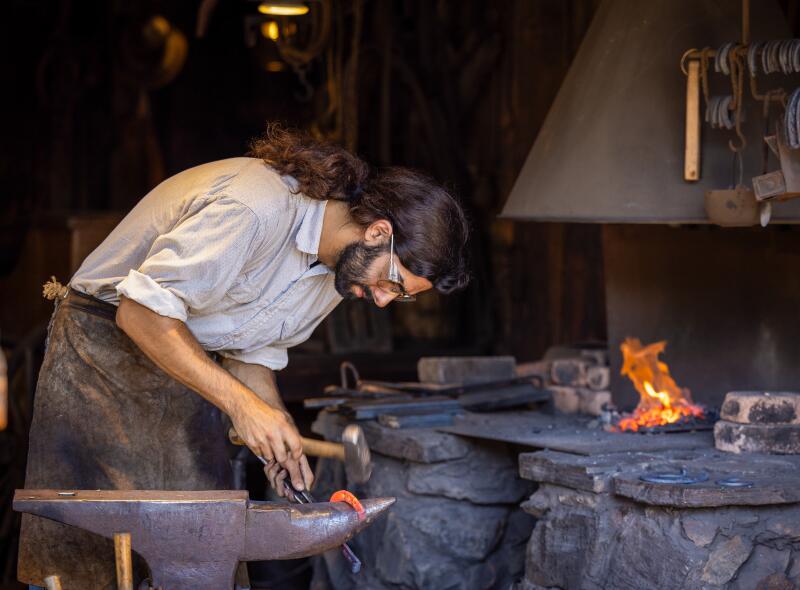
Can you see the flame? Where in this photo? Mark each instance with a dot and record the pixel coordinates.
(661, 400)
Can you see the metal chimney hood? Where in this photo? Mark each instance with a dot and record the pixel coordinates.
(611, 149)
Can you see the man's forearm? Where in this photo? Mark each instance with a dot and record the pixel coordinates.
(171, 346)
(263, 424)
(258, 378)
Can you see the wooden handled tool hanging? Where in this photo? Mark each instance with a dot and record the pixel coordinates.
(691, 166)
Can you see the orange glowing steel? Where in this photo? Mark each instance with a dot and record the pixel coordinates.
(661, 400)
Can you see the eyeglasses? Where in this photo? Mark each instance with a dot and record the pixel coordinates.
(394, 280)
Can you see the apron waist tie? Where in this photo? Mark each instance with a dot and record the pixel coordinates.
(88, 304)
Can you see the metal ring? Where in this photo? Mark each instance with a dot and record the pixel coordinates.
(790, 120)
(752, 54)
(764, 54)
(683, 477)
(726, 116)
(734, 482)
(774, 64)
(796, 55)
(683, 61)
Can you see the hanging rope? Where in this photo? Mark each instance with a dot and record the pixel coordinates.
(52, 289)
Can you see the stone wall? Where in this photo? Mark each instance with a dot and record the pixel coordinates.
(586, 540)
(456, 524)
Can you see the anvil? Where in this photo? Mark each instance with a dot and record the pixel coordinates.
(194, 540)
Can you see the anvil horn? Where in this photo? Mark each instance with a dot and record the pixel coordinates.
(194, 540)
(309, 528)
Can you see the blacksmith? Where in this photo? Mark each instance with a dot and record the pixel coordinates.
(186, 310)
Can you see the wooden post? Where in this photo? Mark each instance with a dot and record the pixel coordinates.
(122, 555)
(52, 583)
(691, 167)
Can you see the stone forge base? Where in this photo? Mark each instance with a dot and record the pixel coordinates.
(456, 525)
(600, 530)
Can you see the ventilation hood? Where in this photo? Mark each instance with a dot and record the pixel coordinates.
(611, 148)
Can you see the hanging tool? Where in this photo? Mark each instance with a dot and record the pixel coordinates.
(691, 166)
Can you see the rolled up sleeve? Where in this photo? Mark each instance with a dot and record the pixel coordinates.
(192, 266)
(145, 291)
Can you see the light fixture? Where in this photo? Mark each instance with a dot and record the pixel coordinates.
(283, 8)
(274, 66)
(270, 30)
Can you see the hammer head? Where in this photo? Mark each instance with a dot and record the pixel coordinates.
(357, 458)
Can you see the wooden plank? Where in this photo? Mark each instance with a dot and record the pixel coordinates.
(569, 434)
(691, 163)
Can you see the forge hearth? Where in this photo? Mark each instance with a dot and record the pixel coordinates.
(617, 518)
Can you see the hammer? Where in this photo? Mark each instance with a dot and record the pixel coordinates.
(352, 451)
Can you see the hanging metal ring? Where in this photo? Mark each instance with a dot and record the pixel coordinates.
(683, 60)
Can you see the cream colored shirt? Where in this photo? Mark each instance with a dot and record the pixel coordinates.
(226, 248)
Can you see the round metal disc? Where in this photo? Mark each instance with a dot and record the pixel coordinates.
(683, 477)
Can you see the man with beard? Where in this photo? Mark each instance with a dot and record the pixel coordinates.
(190, 304)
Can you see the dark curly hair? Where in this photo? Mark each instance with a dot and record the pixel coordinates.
(429, 225)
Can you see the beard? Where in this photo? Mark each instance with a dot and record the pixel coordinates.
(353, 266)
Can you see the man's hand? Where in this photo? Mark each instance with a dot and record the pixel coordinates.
(270, 433)
(262, 381)
(170, 345)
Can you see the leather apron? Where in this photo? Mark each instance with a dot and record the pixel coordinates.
(106, 417)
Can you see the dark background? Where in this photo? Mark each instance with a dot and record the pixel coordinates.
(457, 88)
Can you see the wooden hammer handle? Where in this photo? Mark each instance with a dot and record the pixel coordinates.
(311, 446)
(323, 448)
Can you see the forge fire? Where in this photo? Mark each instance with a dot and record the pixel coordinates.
(661, 401)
